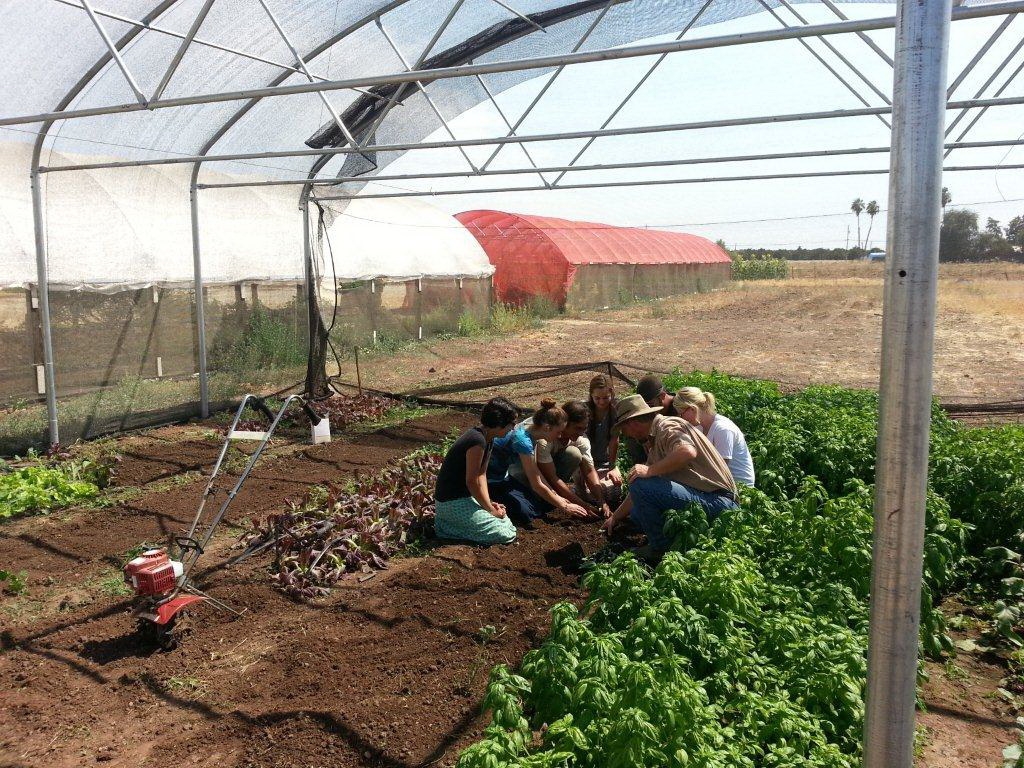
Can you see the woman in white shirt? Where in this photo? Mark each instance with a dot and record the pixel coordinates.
(698, 408)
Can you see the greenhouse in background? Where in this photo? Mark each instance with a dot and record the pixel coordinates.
(582, 265)
(401, 270)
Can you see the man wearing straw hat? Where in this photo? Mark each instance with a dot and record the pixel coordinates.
(682, 468)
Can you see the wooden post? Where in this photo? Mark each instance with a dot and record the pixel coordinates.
(419, 309)
(154, 293)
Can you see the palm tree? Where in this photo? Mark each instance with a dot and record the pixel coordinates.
(857, 206)
(946, 198)
(872, 211)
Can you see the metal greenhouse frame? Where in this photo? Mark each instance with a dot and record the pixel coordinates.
(916, 115)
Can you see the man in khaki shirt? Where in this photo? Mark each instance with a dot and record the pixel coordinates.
(682, 467)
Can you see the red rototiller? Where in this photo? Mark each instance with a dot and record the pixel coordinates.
(161, 578)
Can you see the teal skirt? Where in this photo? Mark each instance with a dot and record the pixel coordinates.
(465, 520)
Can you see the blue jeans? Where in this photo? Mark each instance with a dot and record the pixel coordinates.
(521, 503)
(654, 496)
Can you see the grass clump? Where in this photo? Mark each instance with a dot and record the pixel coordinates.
(265, 342)
(390, 342)
(112, 584)
(504, 320)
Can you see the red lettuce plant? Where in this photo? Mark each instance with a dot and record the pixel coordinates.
(356, 529)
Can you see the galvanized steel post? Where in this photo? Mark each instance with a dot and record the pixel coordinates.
(908, 332)
(311, 285)
(44, 309)
(197, 275)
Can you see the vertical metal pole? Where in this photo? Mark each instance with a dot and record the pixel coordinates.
(44, 309)
(312, 288)
(197, 273)
(908, 333)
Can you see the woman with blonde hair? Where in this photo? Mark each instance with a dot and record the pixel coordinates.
(698, 407)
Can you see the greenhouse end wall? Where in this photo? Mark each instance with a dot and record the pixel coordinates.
(125, 359)
(128, 359)
(597, 286)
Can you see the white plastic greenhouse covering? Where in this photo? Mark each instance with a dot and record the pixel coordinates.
(398, 240)
(105, 236)
(130, 226)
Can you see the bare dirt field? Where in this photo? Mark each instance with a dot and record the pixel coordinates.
(821, 326)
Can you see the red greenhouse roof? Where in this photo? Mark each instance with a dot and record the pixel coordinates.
(581, 242)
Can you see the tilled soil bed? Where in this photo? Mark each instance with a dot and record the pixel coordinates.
(386, 672)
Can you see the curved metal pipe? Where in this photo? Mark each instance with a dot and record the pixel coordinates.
(303, 203)
(39, 221)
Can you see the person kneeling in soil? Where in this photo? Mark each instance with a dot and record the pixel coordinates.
(524, 491)
(464, 507)
(698, 407)
(652, 390)
(683, 468)
(567, 464)
(604, 442)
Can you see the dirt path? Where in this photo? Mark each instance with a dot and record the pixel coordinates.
(966, 723)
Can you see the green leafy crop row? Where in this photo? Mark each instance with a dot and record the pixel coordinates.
(40, 487)
(747, 647)
(759, 269)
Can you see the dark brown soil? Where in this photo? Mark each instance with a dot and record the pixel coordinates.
(65, 547)
(967, 723)
(160, 454)
(388, 672)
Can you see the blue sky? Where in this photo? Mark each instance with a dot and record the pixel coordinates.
(738, 81)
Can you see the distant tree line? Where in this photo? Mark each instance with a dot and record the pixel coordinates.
(802, 254)
(961, 239)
